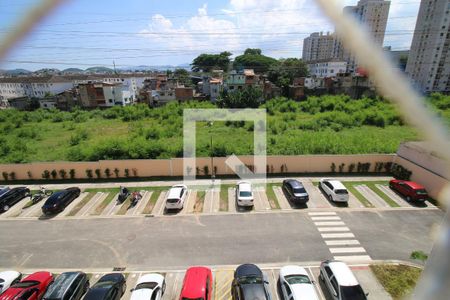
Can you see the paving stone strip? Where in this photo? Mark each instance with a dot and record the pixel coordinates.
(391, 194)
(71, 206)
(107, 211)
(231, 200)
(282, 201)
(133, 210)
(158, 209)
(316, 198)
(371, 196)
(17, 208)
(85, 210)
(143, 202)
(189, 204)
(32, 211)
(208, 202)
(353, 202)
(261, 196)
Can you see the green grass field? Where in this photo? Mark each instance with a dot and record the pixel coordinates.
(325, 125)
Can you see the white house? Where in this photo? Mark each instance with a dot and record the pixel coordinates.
(37, 87)
(327, 68)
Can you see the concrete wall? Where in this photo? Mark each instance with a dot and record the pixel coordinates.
(174, 167)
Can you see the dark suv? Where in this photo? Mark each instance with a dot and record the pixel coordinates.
(9, 197)
(59, 200)
(295, 191)
(68, 286)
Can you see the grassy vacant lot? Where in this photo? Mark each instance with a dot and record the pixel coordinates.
(398, 280)
(319, 125)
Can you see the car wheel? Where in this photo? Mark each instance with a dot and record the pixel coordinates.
(5, 207)
(330, 198)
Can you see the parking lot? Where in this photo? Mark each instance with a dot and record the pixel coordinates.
(223, 277)
(102, 202)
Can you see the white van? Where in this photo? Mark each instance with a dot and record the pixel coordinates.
(176, 197)
(334, 190)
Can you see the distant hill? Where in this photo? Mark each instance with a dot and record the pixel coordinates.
(17, 72)
(72, 70)
(99, 70)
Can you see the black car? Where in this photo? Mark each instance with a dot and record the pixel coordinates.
(9, 197)
(68, 286)
(109, 287)
(59, 200)
(295, 191)
(249, 283)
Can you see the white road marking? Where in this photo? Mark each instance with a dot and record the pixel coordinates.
(330, 213)
(332, 223)
(335, 218)
(322, 229)
(352, 258)
(337, 235)
(348, 250)
(342, 242)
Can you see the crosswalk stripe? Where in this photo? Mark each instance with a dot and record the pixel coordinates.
(333, 223)
(326, 218)
(337, 235)
(348, 250)
(322, 229)
(352, 258)
(341, 242)
(330, 213)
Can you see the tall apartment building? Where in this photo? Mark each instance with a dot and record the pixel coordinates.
(318, 46)
(429, 59)
(374, 15)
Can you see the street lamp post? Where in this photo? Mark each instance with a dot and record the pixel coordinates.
(211, 153)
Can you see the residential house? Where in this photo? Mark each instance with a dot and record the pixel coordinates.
(68, 99)
(327, 68)
(94, 95)
(184, 93)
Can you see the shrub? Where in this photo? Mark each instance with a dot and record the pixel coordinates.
(351, 168)
(30, 176)
(341, 168)
(54, 174)
(116, 172)
(206, 170)
(333, 168)
(135, 172)
(46, 174)
(127, 173)
(5, 176)
(108, 173)
(12, 175)
(98, 173)
(89, 173)
(72, 173)
(63, 173)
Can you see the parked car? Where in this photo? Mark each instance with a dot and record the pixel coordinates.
(57, 202)
(296, 285)
(340, 281)
(176, 197)
(334, 189)
(249, 283)
(197, 284)
(109, 287)
(9, 197)
(295, 191)
(149, 286)
(3, 189)
(68, 286)
(31, 287)
(8, 278)
(244, 194)
(409, 189)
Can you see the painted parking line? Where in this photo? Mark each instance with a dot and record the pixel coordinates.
(391, 194)
(353, 202)
(353, 258)
(231, 200)
(110, 207)
(100, 199)
(222, 284)
(32, 211)
(71, 206)
(347, 250)
(337, 235)
(158, 209)
(314, 275)
(189, 204)
(84, 211)
(174, 281)
(371, 196)
(325, 229)
(335, 218)
(342, 242)
(316, 198)
(322, 213)
(131, 283)
(282, 201)
(329, 223)
(260, 200)
(273, 282)
(16, 209)
(208, 202)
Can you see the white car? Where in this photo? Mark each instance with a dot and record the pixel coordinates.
(296, 284)
(244, 194)
(334, 189)
(8, 278)
(176, 197)
(149, 286)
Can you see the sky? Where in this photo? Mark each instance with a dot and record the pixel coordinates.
(86, 33)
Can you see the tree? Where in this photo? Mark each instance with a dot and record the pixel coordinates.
(207, 62)
(249, 97)
(253, 59)
(284, 73)
(182, 76)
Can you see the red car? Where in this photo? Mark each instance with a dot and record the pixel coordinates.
(31, 287)
(197, 284)
(410, 190)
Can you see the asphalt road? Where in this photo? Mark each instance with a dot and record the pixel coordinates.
(177, 242)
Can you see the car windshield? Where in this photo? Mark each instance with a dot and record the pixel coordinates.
(421, 192)
(297, 279)
(146, 285)
(341, 192)
(56, 291)
(103, 284)
(25, 284)
(299, 191)
(352, 293)
(245, 194)
(250, 280)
